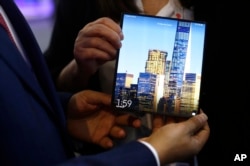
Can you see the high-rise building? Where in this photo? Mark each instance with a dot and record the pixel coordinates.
(156, 62)
(190, 93)
(166, 79)
(146, 91)
(179, 58)
(123, 82)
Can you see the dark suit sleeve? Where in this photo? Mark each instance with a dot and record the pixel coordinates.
(64, 98)
(130, 154)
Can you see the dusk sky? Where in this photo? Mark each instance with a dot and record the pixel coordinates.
(141, 35)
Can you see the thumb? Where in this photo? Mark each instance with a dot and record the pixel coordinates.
(196, 122)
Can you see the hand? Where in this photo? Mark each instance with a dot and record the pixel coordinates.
(97, 43)
(90, 118)
(177, 141)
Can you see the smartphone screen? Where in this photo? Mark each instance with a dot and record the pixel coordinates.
(159, 66)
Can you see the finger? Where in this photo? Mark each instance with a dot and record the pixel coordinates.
(80, 106)
(158, 121)
(201, 111)
(204, 132)
(196, 122)
(111, 24)
(92, 53)
(117, 132)
(106, 143)
(96, 44)
(202, 136)
(128, 120)
(96, 98)
(109, 33)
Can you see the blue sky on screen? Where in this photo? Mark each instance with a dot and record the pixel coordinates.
(142, 34)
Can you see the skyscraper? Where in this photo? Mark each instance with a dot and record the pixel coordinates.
(179, 58)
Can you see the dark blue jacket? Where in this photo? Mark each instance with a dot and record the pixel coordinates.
(32, 121)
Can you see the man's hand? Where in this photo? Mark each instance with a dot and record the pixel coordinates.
(90, 118)
(178, 139)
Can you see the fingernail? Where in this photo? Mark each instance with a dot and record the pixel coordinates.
(203, 117)
(122, 134)
(120, 44)
(110, 144)
(121, 35)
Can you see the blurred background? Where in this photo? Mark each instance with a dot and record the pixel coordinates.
(40, 15)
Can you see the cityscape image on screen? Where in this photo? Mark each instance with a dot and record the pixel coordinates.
(159, 65)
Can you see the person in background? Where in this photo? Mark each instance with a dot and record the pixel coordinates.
(37, 123)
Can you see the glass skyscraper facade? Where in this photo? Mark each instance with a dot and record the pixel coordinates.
(179, 58)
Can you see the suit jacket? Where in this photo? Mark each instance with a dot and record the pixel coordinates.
(32, 121)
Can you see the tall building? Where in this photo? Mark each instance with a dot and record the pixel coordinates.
(166, 79)
(146, 91)
(179, 58)
(190, 93)
(156, 62)
(123, 82)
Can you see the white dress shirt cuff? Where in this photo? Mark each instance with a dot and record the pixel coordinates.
(152, 149)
